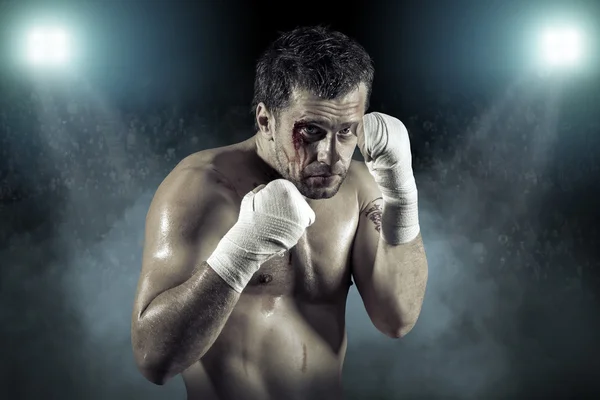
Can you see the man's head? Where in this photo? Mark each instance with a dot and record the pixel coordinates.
(312, 88)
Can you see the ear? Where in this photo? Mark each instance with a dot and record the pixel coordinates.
(265, 121)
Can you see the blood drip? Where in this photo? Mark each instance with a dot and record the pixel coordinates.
(297, 138)
(298, 141)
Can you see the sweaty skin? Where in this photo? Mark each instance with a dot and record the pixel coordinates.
(284, 336)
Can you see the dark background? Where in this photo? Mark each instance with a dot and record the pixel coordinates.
(506, 157)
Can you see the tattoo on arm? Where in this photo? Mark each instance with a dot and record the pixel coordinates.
(374, 213)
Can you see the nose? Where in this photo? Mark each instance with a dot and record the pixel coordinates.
(327, 151)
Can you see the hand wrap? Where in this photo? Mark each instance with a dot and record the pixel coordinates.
(271, 221)
(389, 160)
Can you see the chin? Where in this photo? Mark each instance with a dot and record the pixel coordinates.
(318, 192)
(320, 195)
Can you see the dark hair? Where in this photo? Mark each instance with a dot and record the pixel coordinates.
(327, 63)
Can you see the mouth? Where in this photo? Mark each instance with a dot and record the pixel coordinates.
(322, 179)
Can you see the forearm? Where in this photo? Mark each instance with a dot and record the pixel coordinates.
(399, 279)
(181, 324)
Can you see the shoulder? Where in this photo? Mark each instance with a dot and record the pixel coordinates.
(197, 171)
(363, 184)
(193, 185)
(358, 171)
(220, 167)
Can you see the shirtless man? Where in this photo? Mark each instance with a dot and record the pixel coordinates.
(251, 248)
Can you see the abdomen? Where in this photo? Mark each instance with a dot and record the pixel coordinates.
(274, 348)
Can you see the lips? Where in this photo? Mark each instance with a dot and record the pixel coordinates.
(322, 179)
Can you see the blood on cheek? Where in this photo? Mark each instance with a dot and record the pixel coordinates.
(297, 138)
(298, 142)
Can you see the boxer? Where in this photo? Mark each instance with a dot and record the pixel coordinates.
(251, 248)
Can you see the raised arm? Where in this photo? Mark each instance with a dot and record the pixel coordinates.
(181, 304)
(201, 251)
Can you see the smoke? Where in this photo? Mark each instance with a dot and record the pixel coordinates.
(100, 284)
(490, 328)
(72, 258)
(453, 351)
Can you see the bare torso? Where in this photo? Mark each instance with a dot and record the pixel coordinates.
(286, 337)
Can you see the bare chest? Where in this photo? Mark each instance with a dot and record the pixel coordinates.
(318, 267)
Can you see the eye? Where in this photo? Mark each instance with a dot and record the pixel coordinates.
(346, 131)
(311, 130)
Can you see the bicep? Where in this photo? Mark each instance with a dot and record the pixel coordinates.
(182, 231)
(366, 242)
(366, 239)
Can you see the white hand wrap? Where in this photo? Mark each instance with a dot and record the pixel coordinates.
(270, 222)
(388, 145)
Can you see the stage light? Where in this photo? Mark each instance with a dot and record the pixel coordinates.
(48, 46)
(561, 47)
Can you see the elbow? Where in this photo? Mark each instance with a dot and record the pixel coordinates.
(156, 367)
(395, 328)
(399, 331)
(152, 367)
(398, 319)
(154, 375)
(154, 371)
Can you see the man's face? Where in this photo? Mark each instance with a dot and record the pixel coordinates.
(314, 140)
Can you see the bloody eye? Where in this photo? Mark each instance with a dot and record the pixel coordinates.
(311, 130)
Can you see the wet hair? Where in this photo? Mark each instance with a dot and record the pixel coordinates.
(327, 63)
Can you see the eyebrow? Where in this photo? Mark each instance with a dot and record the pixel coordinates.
(316, 121)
